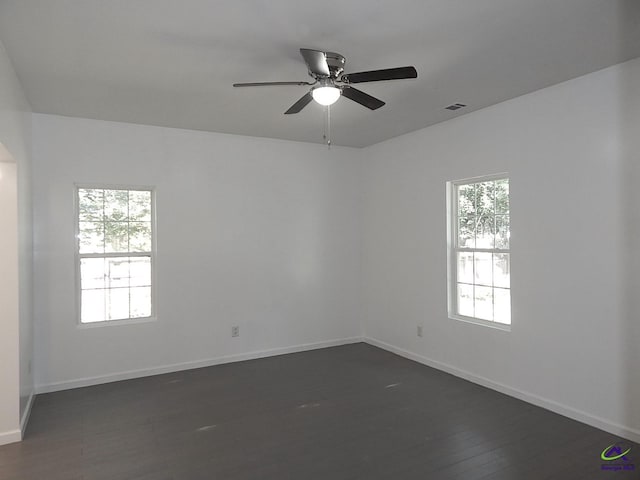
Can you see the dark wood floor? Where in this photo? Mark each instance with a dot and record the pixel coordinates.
(352, 412)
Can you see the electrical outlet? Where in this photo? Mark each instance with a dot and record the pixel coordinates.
(419, 330)
(235, 331)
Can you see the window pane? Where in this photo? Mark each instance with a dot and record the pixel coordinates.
(140, 271)
(466, 205)
(117, 303)
(139, 206)
(485, 207)
(485, 214)
(485, 232)
(465, 300)
(483, 269)
(92, 306)
(465, 267)
(140, 302)
(483, 303)
(92, 273)
(117, 272)
(91, 237)
(140, 237)
(116, 237)
(502, 231)
(116, 205)
(502, 196)
(466, 232)
(91, 204)
(501, 270)
(502, 300)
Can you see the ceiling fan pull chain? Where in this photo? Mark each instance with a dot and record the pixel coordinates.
(324, 127)
(328, 136)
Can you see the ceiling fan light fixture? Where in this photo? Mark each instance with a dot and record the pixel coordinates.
(326, 95)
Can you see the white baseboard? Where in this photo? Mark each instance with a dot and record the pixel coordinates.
(10, 436)
(584, 417)
(146, 372)
(26, 414)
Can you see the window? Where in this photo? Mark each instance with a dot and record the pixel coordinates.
(480, 262)
(115, 239)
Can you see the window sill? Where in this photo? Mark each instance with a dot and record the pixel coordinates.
(485, 323)
(125, 321)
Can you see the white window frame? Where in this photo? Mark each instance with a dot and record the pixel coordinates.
(79, 256)
(453, 249)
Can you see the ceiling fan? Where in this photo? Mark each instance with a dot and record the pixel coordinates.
(330, 81)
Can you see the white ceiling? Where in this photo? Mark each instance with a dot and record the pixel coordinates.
(172, 63)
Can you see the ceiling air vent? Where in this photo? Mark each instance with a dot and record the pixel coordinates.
(455, 106)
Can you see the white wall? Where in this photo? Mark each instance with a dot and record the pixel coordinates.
(258, 233)
(572, 156)
(16, 320)
(629, 199)
(9, 325)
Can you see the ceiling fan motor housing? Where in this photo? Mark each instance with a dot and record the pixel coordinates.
(336, 64)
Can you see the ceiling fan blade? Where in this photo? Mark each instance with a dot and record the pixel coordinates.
(379, 75)
(300, 104)
(316, 61)
(266, 84)
(362, 98)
